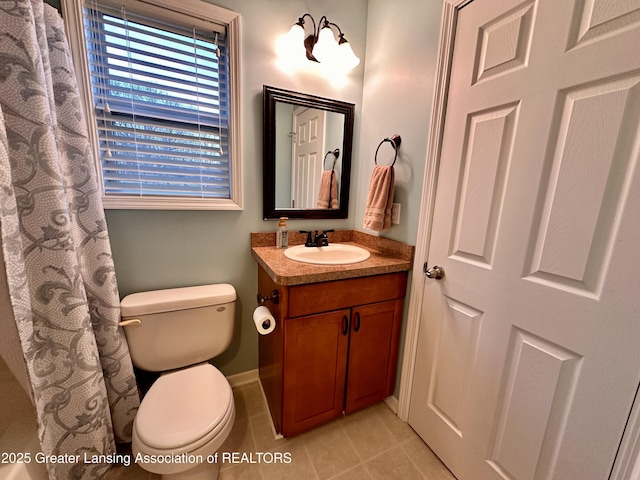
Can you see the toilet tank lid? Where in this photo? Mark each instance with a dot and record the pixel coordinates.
(168, 300)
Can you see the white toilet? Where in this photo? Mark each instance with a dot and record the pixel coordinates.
(188, 412)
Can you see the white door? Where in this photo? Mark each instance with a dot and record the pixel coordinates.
(529, 347)
(308, 123)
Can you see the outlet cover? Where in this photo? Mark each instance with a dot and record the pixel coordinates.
(395, 213)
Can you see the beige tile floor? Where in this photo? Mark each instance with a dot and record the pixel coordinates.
(369, 445)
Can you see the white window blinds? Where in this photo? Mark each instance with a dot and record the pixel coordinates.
(161, 103)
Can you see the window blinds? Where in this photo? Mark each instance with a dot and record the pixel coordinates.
(161, 105)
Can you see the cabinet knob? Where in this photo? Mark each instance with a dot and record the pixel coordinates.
(344, 323)
(357, 325)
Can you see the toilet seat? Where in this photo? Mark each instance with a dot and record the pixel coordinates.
(184, 409)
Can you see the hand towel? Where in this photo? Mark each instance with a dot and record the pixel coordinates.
(377, 215)
(328, 195)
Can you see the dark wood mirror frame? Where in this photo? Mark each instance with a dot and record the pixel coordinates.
(271, 95)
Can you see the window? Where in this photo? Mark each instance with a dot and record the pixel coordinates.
(162, 88)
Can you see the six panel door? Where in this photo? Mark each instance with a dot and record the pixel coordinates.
(528, 358)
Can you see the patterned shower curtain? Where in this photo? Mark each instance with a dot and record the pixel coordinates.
(56, 248)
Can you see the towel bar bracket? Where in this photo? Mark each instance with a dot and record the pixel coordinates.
(395, 141)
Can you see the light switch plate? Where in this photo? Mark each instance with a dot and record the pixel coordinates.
(395, 213)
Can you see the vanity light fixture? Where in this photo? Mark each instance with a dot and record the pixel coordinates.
(321, 45)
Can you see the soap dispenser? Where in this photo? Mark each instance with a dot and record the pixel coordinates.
(282, 236)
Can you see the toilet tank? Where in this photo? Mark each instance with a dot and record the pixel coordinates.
(178, 326)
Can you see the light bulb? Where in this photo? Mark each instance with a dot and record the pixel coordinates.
(326, 47)
(296, 34)
(347, 60)
(291, 45)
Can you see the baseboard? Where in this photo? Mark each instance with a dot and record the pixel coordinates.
(276, 435)
(243, 378)
(392, 403)
(250, 376)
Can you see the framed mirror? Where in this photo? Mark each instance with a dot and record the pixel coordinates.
(306, 155)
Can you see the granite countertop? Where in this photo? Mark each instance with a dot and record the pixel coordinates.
(387, 256)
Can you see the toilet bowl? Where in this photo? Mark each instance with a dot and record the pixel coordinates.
(188, 412)
(183, 420)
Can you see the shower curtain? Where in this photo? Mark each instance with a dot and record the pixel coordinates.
(57, 255)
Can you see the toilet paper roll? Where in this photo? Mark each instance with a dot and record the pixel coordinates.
(265, 323)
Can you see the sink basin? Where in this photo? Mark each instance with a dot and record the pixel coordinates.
(334, 254)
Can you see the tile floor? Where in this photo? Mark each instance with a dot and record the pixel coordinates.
(368, 445)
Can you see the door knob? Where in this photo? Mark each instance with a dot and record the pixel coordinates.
(436, 272)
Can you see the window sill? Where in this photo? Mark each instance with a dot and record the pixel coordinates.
(138, 203)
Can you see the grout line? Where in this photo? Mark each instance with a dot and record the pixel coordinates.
(355, 448)
(349, 469)
(417, 467)
(313, 465)
(395, 443)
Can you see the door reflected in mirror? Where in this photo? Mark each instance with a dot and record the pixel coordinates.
(307, 155)
(306, 139)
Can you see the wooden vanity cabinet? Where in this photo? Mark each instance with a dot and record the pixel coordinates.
(334, 349)
(315, 369)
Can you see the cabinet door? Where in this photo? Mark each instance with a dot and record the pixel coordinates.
(373, 353)
(315, 350)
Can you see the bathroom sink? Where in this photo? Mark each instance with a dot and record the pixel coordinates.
(334, 254)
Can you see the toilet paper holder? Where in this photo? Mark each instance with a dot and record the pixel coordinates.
(274, 297)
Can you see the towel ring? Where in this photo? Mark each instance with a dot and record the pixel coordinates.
(395, 141)
(336, 154)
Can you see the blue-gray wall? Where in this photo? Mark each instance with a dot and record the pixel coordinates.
(392, 90)
(163, 249)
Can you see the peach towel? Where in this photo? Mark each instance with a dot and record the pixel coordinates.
(377, 215)
(328, 195)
